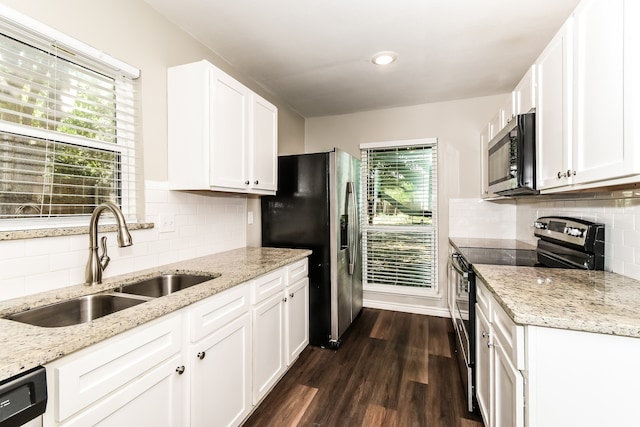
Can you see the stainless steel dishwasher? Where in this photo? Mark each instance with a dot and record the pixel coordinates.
(23, 399)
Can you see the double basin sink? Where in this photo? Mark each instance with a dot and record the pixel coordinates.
(87, 308)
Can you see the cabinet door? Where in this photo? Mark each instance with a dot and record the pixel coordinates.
(229, 125)
(506, 111)
(508, 409)
(90, 376)
(494, 126)
(524, 94)
(297, 296)
(632, 82)
(598, 145)
(221, 375)
(154, 399)
(268, 345)
(552, 119)
(263, 157)
(484, 366)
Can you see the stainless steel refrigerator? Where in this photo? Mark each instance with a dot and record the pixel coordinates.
(316, 207)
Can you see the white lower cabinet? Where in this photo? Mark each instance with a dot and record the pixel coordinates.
(220, 358)
(268, 345)
(499, 358)
(131, 379)
(297, 314)
(208, 364)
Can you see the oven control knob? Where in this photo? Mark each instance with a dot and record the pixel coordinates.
(573, 231)
(540, 225)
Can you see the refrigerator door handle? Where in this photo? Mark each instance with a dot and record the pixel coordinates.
(352, 239)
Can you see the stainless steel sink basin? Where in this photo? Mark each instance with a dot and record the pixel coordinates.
(75, 311)
(165, 284)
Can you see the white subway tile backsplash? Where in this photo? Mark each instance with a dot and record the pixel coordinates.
(204, 225)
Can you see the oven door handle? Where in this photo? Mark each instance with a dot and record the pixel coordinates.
(457, 268)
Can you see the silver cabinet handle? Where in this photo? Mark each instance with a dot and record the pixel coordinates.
(284, 299)
(201, 355)
(560, 175)
(256, 182)
(180, 370)
(291, 295)
(246, 182)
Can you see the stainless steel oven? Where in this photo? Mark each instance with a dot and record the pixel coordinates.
(563, 243)
(463, 317)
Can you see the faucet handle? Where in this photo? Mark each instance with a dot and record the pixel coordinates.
(104, 258)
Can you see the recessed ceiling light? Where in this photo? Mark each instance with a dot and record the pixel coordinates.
(384, 58)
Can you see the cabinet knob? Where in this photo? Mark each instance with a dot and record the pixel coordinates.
(180, 370)
(201, 355)
(560, 175)
(291, 295)
(256, 182)
(489, 345)
(284, 299)
(246, 182)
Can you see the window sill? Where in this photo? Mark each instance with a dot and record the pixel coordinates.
(66, 231)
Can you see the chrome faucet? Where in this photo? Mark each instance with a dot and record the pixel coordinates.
(96, 264)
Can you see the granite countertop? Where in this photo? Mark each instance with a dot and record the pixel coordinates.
(591, 301)
(25, 346)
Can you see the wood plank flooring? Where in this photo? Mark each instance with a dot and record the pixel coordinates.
(393, 369)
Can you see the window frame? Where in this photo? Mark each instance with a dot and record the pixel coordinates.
(434, 289)
(25, 30)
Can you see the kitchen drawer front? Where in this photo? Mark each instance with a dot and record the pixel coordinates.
(89, 375)
(510, 335)
(268, 285)
(484, 299)
(297, 271)
(216, 311)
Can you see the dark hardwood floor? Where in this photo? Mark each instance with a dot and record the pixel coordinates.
(393, 369)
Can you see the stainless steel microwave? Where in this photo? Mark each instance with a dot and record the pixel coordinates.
(512, 158)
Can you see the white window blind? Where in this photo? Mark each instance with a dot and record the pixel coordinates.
(399, 200)
(67, 130)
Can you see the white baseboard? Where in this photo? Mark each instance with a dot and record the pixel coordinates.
(407, 308)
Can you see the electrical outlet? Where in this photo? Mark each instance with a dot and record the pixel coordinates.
(166, 223)
(250, 217)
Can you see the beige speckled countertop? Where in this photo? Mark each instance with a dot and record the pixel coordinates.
(24, 346)
(591, 301)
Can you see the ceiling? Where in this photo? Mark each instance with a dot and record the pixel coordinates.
(316, 55)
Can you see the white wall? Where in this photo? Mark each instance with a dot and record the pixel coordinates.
(133, 32)
(457, 126)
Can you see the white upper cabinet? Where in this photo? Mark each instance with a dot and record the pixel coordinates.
(222, 136)
(506, 112)
(552, 115)
(599, 147)
(263, 165)
(228, 126)
(587, 87)
(524, 95)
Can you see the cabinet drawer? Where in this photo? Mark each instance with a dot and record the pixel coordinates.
(509, 335)
(297, 271)
(89, 375)
(268, 285)
(216, 311)
(484, 299)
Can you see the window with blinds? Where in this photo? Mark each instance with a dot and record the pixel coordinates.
(398, 215)
(67, 130)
